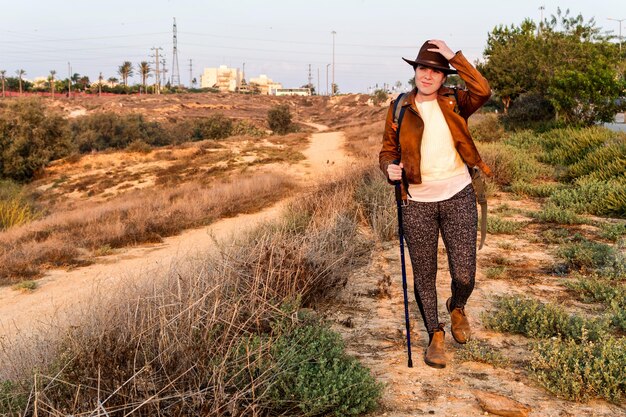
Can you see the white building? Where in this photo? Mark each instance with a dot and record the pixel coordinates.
(265, 85)
(293, 92)
(223, 78)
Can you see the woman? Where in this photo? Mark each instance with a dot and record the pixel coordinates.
(435, 151)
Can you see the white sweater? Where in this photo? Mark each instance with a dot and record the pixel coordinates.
(443, 171)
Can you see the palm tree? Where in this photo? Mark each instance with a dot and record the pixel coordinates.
(2, 73)
(52, 74)
(100, 78)
(125, 70)
(144, 70)
(20, 73)
(112, 81)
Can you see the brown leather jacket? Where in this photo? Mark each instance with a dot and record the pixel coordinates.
(412, 127)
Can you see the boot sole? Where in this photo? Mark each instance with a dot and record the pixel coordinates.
(434, 365)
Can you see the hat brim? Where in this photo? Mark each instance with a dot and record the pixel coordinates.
(445, 70)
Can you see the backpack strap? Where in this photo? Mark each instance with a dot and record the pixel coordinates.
(398, 115)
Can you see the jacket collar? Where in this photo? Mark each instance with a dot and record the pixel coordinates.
(443, 98)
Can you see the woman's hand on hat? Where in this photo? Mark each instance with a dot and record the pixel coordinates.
(442, 48)
(395, 171)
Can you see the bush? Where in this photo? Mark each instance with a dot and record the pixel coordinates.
(316, 377)
(379, 97)
(487, 129)
(279, 120)
(15, 209)
(103, 131)
(612, 231)
(551, 213)
(30, 137)
(543, 189)
(531, 110)
(581, 371)
(216, 126)
(593, 197)
(479, 351)
(510, 164)
(375, 195)
(534, 319)
(587, 255)
(497, 225)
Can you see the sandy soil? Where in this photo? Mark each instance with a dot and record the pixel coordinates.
(61, 291)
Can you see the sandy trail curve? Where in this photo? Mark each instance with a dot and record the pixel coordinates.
(62, 291)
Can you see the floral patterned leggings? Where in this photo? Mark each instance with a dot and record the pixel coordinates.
(457, 219)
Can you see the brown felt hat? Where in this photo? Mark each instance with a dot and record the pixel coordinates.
(431, 59)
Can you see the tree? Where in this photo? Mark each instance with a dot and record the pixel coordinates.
(310, 87)
(335, 89)
(20, 73)
(100, 78)
(565, 60)
(84, 82)
(51, 79)
(2, 75)
(125, 70)
(144, 70)
(279, 119)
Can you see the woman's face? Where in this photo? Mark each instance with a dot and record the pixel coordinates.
(428, 80)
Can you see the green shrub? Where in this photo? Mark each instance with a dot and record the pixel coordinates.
(529, 110)
(13, 398)
(279, 120)
(487, 129)
(100, 131)
(534, 319)
(595, 288)
(594, 197)
(510, 164)
(602, 163)
(379, 97)
(551, 213)
(586, 255)
(245, 128)
(498, 225)
(569, 145)
(612, 231)
(494, 272)
(581, 371)
(544, 189)
(30, 137)
(479, 351)
(216, 126)
(315, 376)
(556, 235)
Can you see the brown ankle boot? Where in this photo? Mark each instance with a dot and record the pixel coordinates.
(435, 353)
(459, 325)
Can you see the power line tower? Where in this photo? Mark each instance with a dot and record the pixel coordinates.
(157, 61)
(310, 84)
(175, 80)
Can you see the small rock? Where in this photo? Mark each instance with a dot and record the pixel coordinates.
(500, 405)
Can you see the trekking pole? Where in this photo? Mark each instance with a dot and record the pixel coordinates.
(404, 289)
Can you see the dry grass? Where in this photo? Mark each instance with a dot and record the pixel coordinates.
(68, 238)
(203, 339)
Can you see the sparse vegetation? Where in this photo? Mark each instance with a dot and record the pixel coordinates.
(498, 225)
(223, 333)
(479, 351)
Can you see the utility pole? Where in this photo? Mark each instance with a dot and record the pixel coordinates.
(190, 74)
(332, 89)
(157, 78)
(541, 9)
(69, 80)
(317, 92)
(175, 70)
(620, 32)
(310, 83)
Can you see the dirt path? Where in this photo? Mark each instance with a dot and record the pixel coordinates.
(61, 291)
(371, 318)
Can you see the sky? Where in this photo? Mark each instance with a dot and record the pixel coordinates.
(279, 38)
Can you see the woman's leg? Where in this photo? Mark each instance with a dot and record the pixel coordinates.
(459, 221)
(421, 231)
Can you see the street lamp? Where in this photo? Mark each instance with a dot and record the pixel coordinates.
(620, 31)
(327, 65)
(332, 86)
